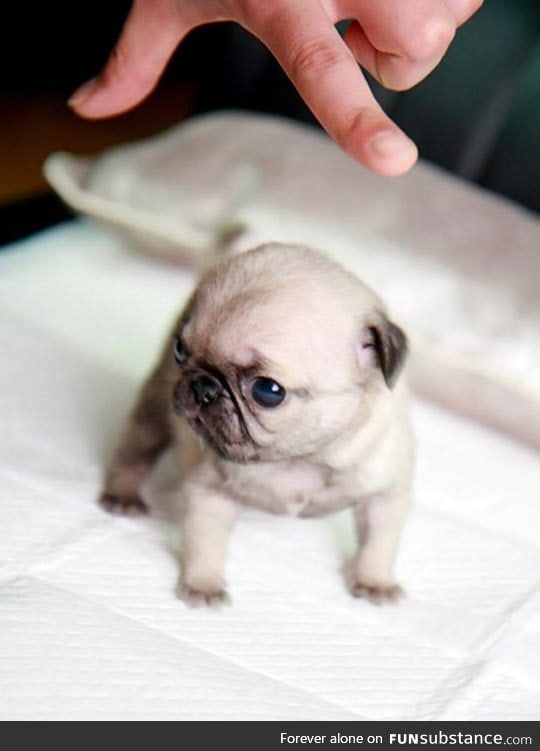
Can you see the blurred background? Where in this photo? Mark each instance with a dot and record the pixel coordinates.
(477, 115)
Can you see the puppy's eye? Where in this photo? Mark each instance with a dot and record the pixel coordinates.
(267, 392)
(180, 354)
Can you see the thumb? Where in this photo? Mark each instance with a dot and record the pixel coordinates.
(151, 33)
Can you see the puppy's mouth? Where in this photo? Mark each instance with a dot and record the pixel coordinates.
(240, 452)
(219, 422)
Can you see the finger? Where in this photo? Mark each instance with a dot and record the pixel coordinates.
(320, 65)
(399, 43)
(390, 70)
(150, 35)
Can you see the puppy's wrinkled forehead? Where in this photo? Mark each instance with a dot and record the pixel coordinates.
(281, 303)
(219, 327)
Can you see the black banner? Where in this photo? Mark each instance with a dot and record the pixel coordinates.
(301, 736)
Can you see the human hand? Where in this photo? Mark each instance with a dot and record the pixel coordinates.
(398, 41)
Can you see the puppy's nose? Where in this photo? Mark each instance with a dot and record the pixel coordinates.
(206, 390)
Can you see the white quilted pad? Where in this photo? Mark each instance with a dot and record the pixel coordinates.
(89, 625)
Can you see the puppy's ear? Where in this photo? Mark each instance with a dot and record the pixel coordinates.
(389, 344)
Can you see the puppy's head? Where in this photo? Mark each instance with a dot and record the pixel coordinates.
(280, 350)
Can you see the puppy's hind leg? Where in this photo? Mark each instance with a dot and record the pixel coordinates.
(147, 433)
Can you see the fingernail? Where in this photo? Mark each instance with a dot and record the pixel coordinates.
(389, 143)
(82, 93)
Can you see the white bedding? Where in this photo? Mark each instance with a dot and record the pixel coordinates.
(89, 625)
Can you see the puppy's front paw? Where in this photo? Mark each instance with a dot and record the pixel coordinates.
(383, 594)
(122, 505)
(203, 595)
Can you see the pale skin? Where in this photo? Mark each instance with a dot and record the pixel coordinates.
(398, 41)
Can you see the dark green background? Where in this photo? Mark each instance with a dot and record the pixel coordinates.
(477, 115)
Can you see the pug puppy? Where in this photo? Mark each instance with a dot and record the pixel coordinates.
(280, 389)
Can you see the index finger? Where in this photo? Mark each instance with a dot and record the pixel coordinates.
(303, 39)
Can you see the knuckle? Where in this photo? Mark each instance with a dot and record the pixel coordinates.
(431, 38)
(313, 58)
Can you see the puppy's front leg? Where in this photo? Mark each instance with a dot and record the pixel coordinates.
(379, 523)
(208, 521)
